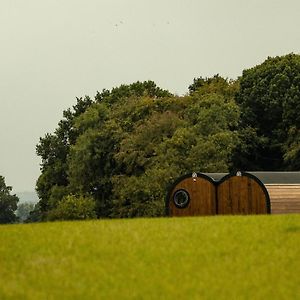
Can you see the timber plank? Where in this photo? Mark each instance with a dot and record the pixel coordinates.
(202, 198)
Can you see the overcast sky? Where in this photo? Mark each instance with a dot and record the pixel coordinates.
(52, 51)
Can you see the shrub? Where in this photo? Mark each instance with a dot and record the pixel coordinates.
(73, 207)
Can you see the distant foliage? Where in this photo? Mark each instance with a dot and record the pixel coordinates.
(8, 203)
(36, 214)
(23, 210)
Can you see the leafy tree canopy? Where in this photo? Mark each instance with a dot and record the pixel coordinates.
(124, 147)
(269, 97)
(132, 141)
(8, 203)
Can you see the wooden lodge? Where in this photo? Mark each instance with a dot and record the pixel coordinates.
(238, 193)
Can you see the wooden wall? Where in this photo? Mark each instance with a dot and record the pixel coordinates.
(285, 198)
(202, 198)
(234, 195)
(241, 195)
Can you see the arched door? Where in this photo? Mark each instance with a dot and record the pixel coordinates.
(192, 196)
(243, 194)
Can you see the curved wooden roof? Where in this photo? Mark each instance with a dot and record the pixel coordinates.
(267, 177)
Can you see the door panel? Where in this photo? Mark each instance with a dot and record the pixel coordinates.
(241, 195)
(202, 194)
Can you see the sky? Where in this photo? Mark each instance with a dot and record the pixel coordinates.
(52, 51)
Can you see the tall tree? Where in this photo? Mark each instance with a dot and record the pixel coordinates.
(195, 133)
(131, 142)
(78, 156)
(8, 203)
(269, 98)
(53, 150)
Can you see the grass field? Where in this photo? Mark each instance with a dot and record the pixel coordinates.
(251, 257)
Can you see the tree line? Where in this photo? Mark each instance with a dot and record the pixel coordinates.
(11, 211)
(115, 155)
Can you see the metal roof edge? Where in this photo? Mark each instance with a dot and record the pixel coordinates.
(276, 177)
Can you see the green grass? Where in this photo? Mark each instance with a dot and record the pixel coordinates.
(251, 257)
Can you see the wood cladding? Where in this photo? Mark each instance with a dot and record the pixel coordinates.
(202, 198)
(241, 195)
(285, 198)
(231, 194)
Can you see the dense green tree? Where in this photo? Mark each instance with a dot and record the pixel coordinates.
(53, 150)
(8, 203)
(292, 149)
(198, 137)
(136, 90)
(216, 84)
(269, 97)
(91, 164)
(123, 148)
(78, 156)
(131, 142)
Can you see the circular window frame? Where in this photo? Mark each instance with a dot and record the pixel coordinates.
(185, 204)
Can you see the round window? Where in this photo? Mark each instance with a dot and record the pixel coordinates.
(181, 198)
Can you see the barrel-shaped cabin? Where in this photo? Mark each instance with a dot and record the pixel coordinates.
(192, 195)
(238, 193)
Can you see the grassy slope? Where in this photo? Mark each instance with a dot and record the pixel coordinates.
(211, 258)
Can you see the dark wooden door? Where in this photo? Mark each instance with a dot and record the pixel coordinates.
(202, 197)
(241, 195)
